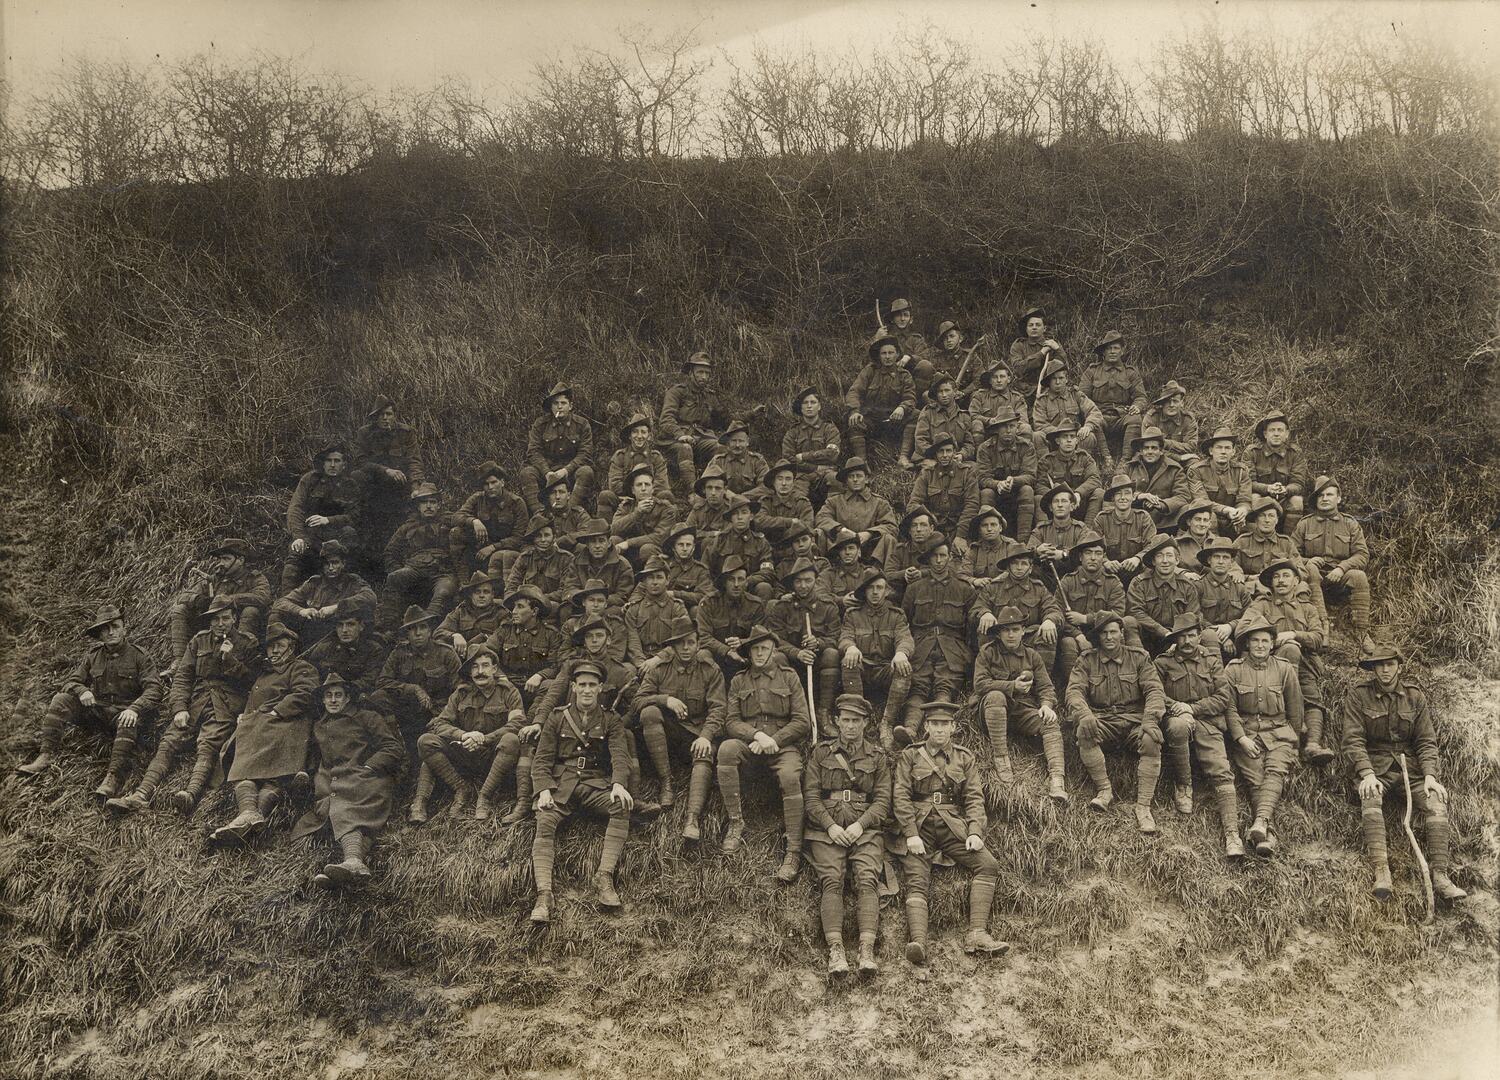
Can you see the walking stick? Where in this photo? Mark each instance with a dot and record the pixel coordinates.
(812, 708)
(1415, 847)
(879, 322)
(964, 367)
(1040, 372)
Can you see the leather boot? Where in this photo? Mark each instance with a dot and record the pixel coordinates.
(444, 770)
(604, 891)
(418, 814)
(867, 963)
(734, 839)
(655, 738)
(1145, 820)
(1439, 852)
(36, 765)
(791, 866)
(119, 763)
(1229, 817)
(353, 869)
(186, 800)
(128, 804)
(541, 911)
(895, 708)
(1372, 827)
(246, 822)
(979, 943)
(1147, 771)
(838, 963)
(51, 739)
(1052, 750)
(916, 930)
(1093, 761)
(1182, 798)
(499, 766)
(691, 830)
(1313, 750)
(522, 808)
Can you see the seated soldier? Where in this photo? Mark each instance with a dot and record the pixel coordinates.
(208, 688)
(1160, 593)
(994, 396)
(529, 646)
(1221, 480)
(1060, 530)
(1007, 469)
(1263, 542)
(1018, 586)
(352, 649)
(1333, 545)
(1064, 465)
(938, 806)
(1089, 589)
(844, 569)
(1126, 528)
(807, 629)
(636, 451)
(1115, 698)
(812, 444)
(799, 545)
(1266, 699)
(682, 701)
(1301, 636)
(1118, 389)
(1059, 402)
(1390, 742)
(688, 578)
(949, 489)
(691, 414)
(938, 607)
(766, 721)
(1179, 427)
(1278, 468)
(476, 617)
(710, 511)
(867, 515)
(325, 506)
(582, 763)
(1161, 484)
(781, 505)
(592, 602)
(419, 565)
(542, 565)
(1223, 592)
(1014, 689)
(642, 520)
(846, 789)
(916, 356)
(249, 591)
(650, 615)
(741, 466)
(1032, 348)
(987, 545)
(113, 689)
(738, 538)
(600, 556)
(490, 525)
(726, 618)
(388, 465)
(1195, 531)
(902, 565)
(360, 761)
(943, 416)
(311, 608)
(1198, 718)
(559, 446)
(417, 678)
(881, 400)
(476, 736)
(567, 514)
(270, 736)
(875, 650)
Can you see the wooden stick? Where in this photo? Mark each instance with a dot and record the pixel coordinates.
(812, 708)
(964, 367)
(1415, 847)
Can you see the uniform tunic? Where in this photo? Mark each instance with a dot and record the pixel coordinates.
(817, 445)
(1380, 725)
(1127, 535)
(690, 410)
(360, 758)
(951, 492)
(648, 624)
(1122, 693)
(936, 420)
(877, 391)
(698, 684)
(270, 740)
(553, 444)
(335, 497)
(320, 591)
(844, 786)
(544, 570)
(395, 448)
(1166, 480)
(359, 662)
(742, 472)
(1014, 458)
(643, 529)
(996, 670)
(768, 699)
(1181, 431)
(580, 755)
(1227, 487)
(1337, 539)
(938, 610)
(525, 651)
(720, 617)
(119, 678)
(1155, 600)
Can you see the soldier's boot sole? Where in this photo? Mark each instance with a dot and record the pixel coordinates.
(1266, 847)
(36, 766)
(184, 802)
(238, 831)
(980, 943)
(1101, 802)
(1382, 888)
(901, 736)
(108, 788)
(348, 872)
(1234, 847)
(1316, 754)
(1444, 888)
(323, 881)
(916, 953)
(482, 809)
(1257, 834)
(517, 814)
(128, 804)
(867, 963)
(790, 867)
(418, 814)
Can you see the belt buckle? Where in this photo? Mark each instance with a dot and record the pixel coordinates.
(583, 763)
(937, 798)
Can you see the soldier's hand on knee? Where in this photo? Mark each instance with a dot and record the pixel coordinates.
(854, 832)
(1434, 789)
(914, 846)
(181, 719)
(127, 719)
(316, 521)
(974, 842)
(1370, 787)
(620, 796)
(678, 706)
(299, 546)
(901, 665)
(472, 740)
(530, 732)
(545, 801)
(1249, 746)
(764, 744)
(86, 699)
(852, 658)
(703, 750)
(1335, 575)
(837, 834)
(1048, 714)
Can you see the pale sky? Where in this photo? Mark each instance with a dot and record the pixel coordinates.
(495, 43)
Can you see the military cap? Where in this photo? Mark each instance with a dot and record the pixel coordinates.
(1012, 551)
(1381, 646)
(532, 593)
(476, 651)
(698, 359)
(801, 566)
(1216, 545)
(780, 466)
(879, 342)
(710, 472)
(1053, 492)
(903, 530)
(1168, 392)
(1158, 542)
(492, 468)
(581, 630)
(801, 396)
(654, 565)
(984, 512)
(1146, 434)
(424, 490)
(589, 588)
(537, 523)
(586, 667)
(1182, 622)
(1250, 624)
(871, 575)
(643, 469)
(735, 501)
(987, 376)
(558, 390)
(1028, 315)
(939, 710)
(594, 527)
(730, 564)
(416, 616)
(636, 420)
(278, 631)
(1110, 338)
(476, 579)
(1262, 503)
(795, 531)
(853, 703)
(106, 614)
(559, 482)
(935, 541)
(352, 607)
(1269, 419)
(222, 602)
(1221, 434)
(946, 325)
(682, 627)
(333, 549)
(331, 448)
(380, 406)
(1062, 427)
(1322, 483)
(334, 679)
(1089, 539)
(231, 545)
(1053, 368)
(1100, 619)
(1006, 415)
(1117, 481)
(842, 537)
(942, 440)
(681, 529)
(1269, 571)
(757, 633)
(1197, 506)
(1009, 615)
(938, 380)
(854, 464)
(734, 427)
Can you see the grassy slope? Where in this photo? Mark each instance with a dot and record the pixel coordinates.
(128, 951)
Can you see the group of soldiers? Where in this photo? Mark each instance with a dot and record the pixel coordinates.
(1077, 552)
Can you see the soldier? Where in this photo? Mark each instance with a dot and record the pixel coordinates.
(912, 534)
(881, 400)
(542, 565)
(468, 740)
(875, 650)
(1032, 348)
(476, 617)
(915, 353)
(690, 418)
(1058, 402)
(582, 763)
(529, 646)
(987, 546)
(738, 538)
(641, 522)
(559, 446)
(846, 789)
(1333, 543)
(417, 678)
(1065, 465)
(387, 462)
(1083, 593)
(1161, 484)
(601, 556)
(1179, 427)
(1019, 587)
(567, 514)
(683, 701)
(710, 512)
(1015, 690)
(1053, 538)
(688, 578)
(1220, 479)
(782, 505)
(807, 629)
(490, 526)
(1127, 530)
(726, 618)
(845, 570)
(994, 396)
(1160, 593)
(114, 688)
(1386, 724)
(351, 650)
(1268, 701)
(1118, 389)
(1197, 720)
(419, 552)
(799, 546)
(858, 509)
(591, 602)
(741, 466)
(1115, 698)
(766, 721)
(636, 451)
(1262, 542)
(949, 489)
(1007, 469)
(948, 358)
(360, 757)
(812, 444)
(1195, 531)
(650, 615)
(207, 693)
(938, 606)
(270, 736)
(1301, 635)
(325, 506)
(943, 416)
(312, 606)
(228, 575)
(1223, 592)
(1278, 468)
(933, 780)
